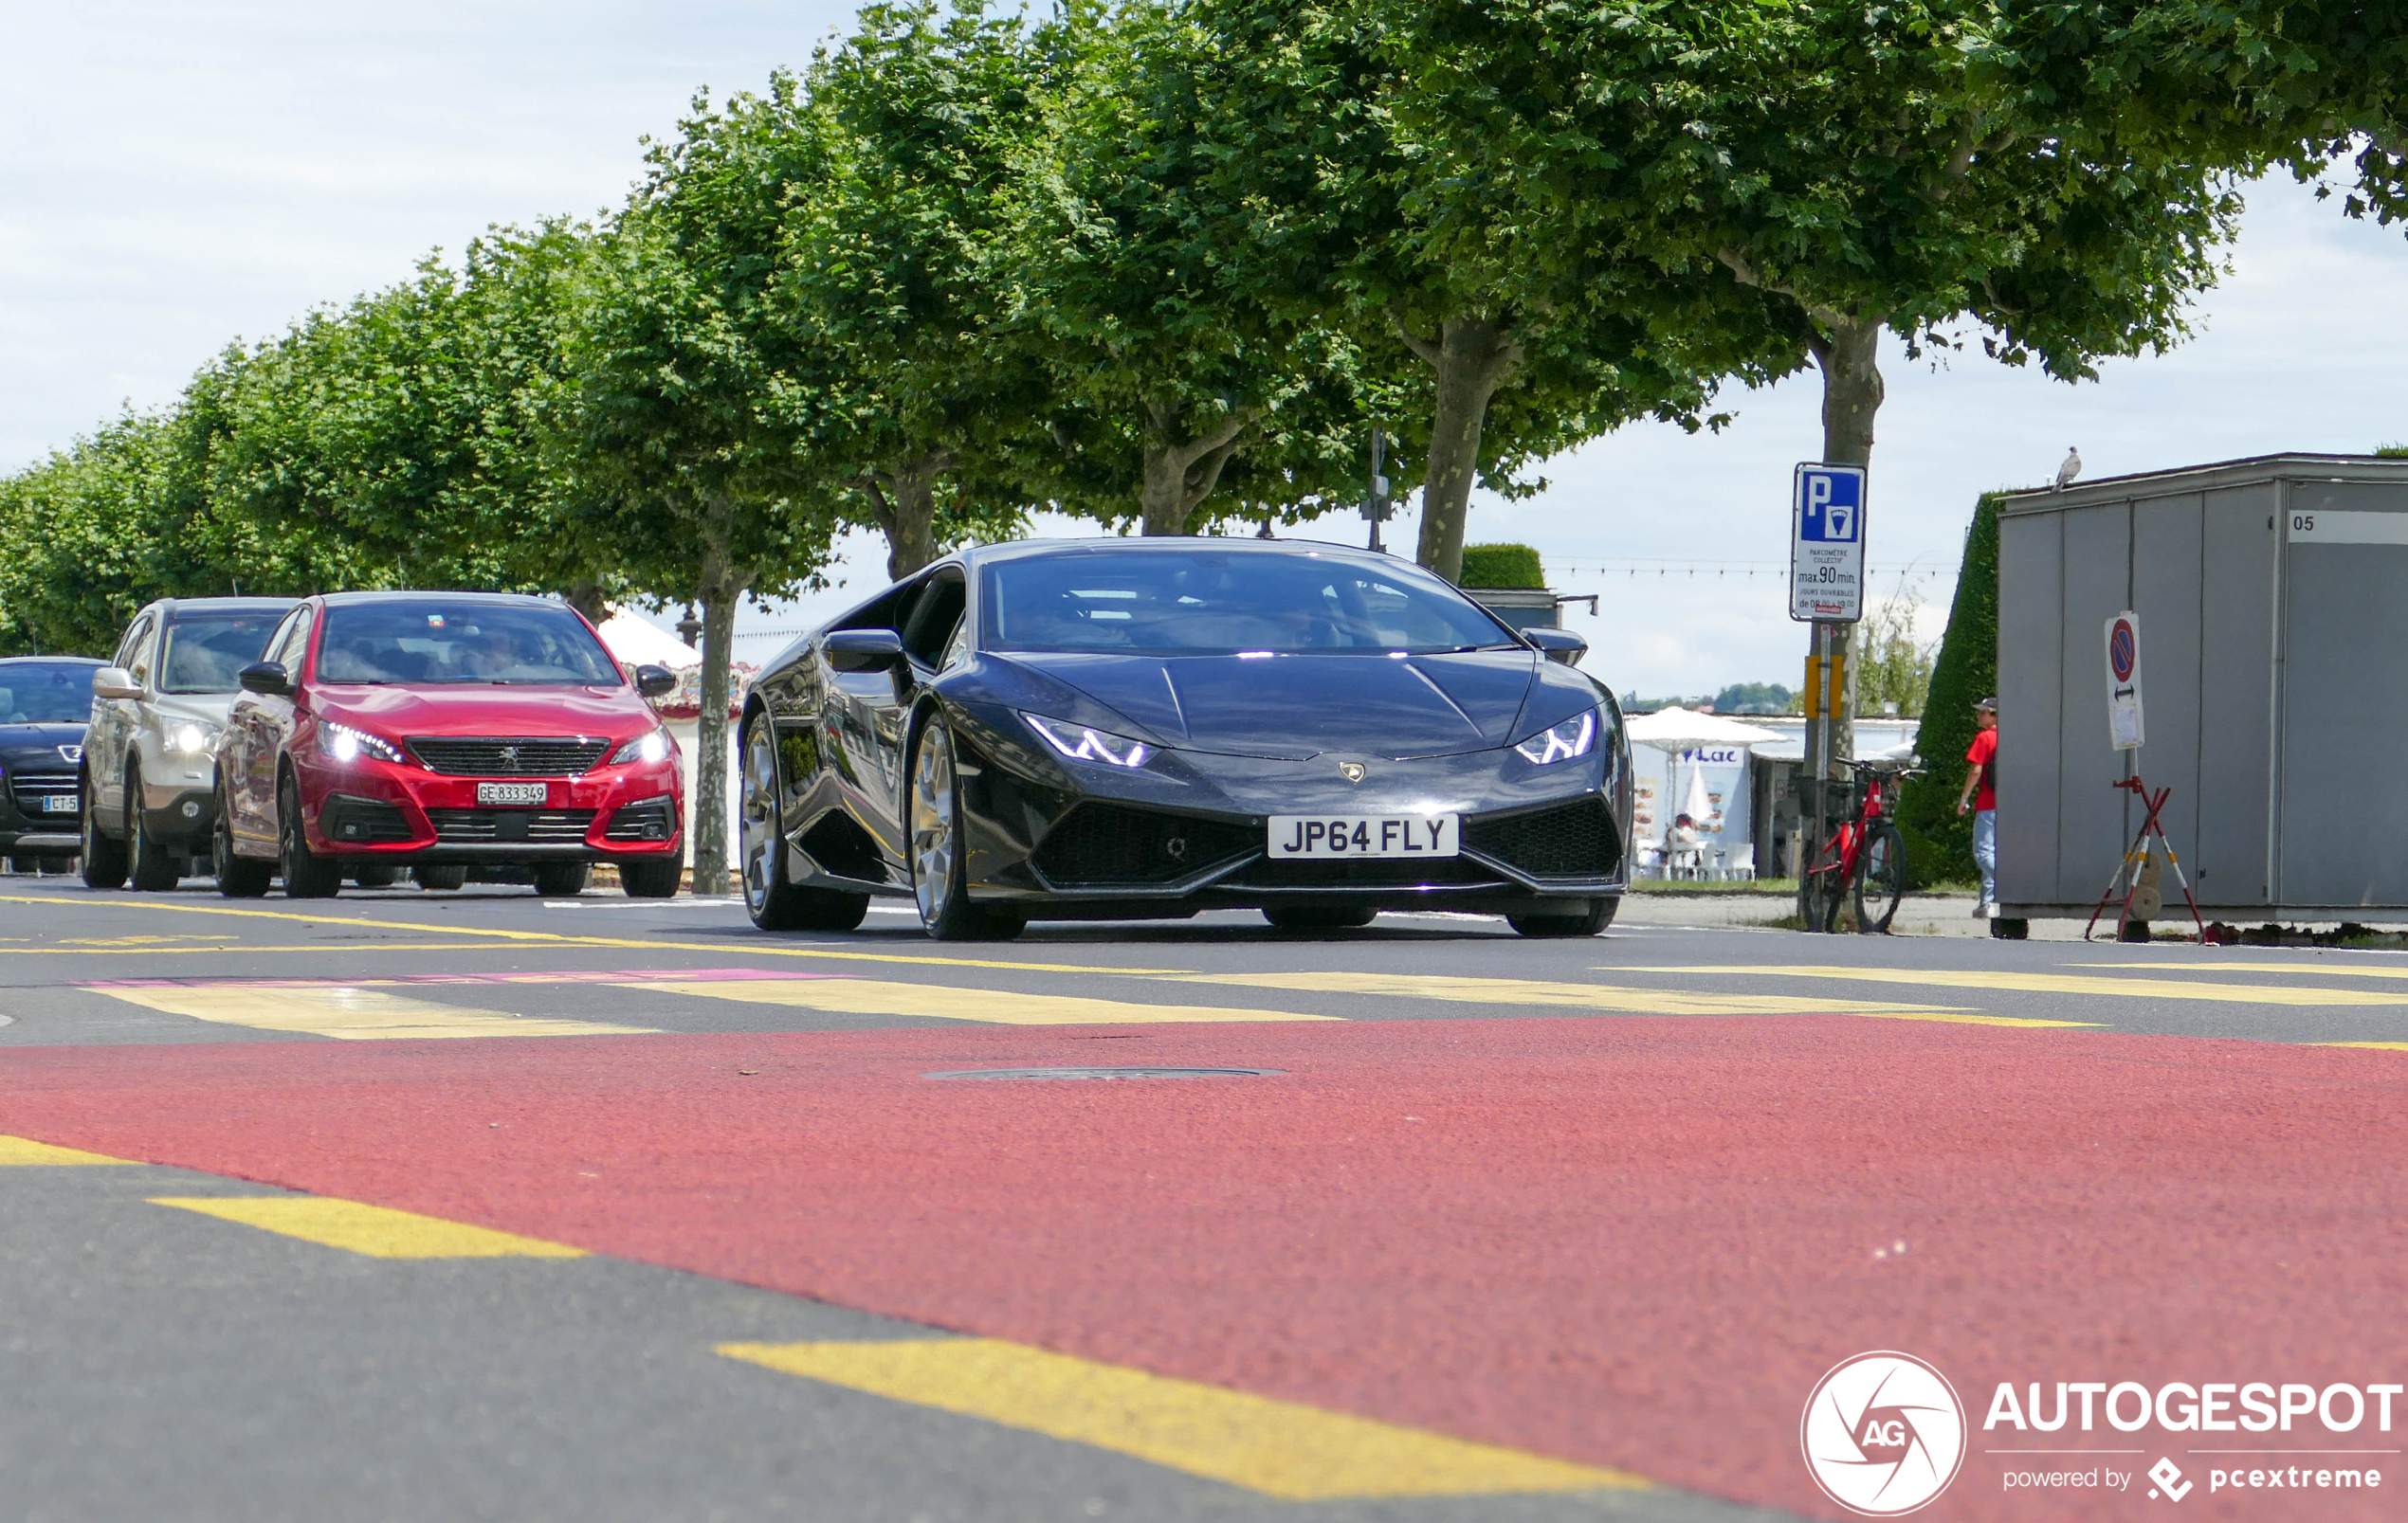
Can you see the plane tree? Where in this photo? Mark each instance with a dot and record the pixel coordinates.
(1867, 170)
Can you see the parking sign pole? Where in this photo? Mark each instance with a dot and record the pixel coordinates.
(1826, 589)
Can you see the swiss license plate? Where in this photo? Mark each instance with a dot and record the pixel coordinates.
(513, 792)
(59, 804)
(1365, 835)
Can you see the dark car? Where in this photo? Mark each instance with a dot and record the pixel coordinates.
(1108, 728)
(46, 701)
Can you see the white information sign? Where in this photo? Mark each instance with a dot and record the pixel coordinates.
(1827, 544)
(2126, 730)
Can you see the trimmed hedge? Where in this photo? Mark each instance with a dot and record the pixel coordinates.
(1940, 845)
(1502, 565)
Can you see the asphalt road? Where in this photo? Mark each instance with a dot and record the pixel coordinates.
(478, 1206)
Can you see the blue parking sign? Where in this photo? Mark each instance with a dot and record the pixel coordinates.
(1827, 544)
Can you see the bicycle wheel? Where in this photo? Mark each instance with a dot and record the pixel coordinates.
(1881, 878)
(1820, 893)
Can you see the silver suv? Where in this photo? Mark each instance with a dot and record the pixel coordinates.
(150, 757)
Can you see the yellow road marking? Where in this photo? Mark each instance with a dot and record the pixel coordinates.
(351, 1013)
(2219, 966)
(1279, 1448)
(1967, 1019)
(2385, 1046)
(247, 947)
(555, 939)
(135, 942)
(376, 1231)
(862, 996)
(1535, 991)
(28, 1152)
(2153, 988)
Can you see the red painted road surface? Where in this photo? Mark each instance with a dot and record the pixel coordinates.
(1633, 1241)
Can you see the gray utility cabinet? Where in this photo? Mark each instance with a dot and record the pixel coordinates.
(2272, 596)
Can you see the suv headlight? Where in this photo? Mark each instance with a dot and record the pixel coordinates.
(190, 738)
(1571, 738)
(1079, 743)
(649, 747)
(343, 743)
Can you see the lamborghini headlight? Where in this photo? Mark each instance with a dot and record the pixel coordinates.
(1571, 738)
(1079, 743)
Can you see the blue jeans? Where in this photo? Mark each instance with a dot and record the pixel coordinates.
(1985, 852)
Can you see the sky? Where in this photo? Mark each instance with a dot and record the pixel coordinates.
(176, 176)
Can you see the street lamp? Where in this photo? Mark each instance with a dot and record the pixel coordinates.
(689, 629)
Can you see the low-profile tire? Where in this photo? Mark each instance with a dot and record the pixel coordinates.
(655, 877)
(1302, 918)
(2010, 928)
(307, 876)
(1599, 916)
(238, 878)
(441, 877)
(383, 875)
(149, 867)
(104, 859)
(561, 880)
(939, 873)
(773, 901)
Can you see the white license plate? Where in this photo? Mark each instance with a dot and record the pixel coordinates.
(513, 792)
(1365, 835)
(58, 804)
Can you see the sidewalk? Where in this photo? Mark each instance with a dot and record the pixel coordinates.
(1918, 915)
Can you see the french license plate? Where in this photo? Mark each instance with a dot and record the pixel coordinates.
(1365, 835)
(59, 804)
(513, 792)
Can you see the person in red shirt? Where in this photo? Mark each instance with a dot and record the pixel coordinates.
(1982, 797)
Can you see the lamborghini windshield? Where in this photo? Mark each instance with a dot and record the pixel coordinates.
(1220, 602)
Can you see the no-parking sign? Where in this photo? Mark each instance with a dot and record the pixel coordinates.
(2124, 728)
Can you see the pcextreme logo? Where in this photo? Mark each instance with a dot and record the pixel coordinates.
(1883, 1434)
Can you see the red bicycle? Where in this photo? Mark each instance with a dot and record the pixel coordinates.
(1865, 860)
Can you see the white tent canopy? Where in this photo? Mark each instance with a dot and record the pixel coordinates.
(638, 643)
(1683, 730)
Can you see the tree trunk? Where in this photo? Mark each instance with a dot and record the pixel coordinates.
(903, 495)
(1473, 355)
(586, 597)
(1849, 357)
(1181, 474)
(721, 588)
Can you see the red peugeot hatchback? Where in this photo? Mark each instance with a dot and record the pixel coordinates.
(442, 731)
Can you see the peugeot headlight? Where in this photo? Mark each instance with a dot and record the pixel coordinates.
(1571, 738)
(1079, 743)
(192, 739)
(649, 747)
(343, 743)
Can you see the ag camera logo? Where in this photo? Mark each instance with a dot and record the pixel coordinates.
(1883, 1434)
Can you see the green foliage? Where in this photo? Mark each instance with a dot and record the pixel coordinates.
(1753, 698)
(2391, 451)
(1502, 565)
(1939, 844)
(1891, 665)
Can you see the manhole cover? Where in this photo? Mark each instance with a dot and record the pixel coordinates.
(1104, 1073)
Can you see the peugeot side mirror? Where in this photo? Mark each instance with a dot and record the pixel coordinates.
(655, 681)
(1558, 644)
(115, 682)
(265, 677)
(863, 650)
